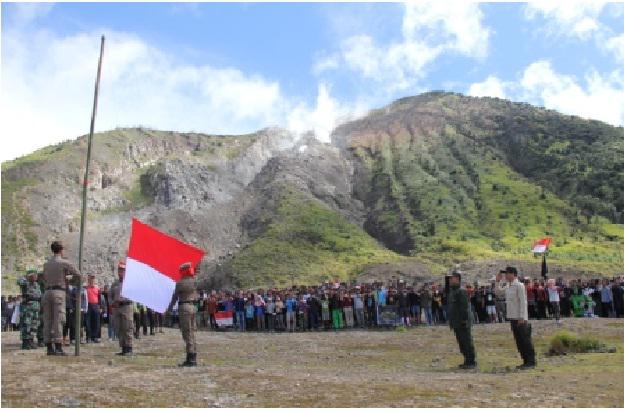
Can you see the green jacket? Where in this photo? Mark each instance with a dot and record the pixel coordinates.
(458, 309)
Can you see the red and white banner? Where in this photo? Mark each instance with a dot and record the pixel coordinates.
(152, 266)
(224, 319)
(541, 246)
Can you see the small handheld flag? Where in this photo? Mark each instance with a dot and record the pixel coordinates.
(541, 246)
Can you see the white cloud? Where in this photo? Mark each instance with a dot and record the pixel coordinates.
(428, 30)
(22, 14)
(47, 91)
(456, 25)
(579, 19)
(492, 86)
(601, 97)
(615, 45)
(574, 18)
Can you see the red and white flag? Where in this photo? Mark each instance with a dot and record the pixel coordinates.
(152, 266)
(224, 319)
(541, 246)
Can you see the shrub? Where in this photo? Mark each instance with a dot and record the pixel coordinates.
(564, 342)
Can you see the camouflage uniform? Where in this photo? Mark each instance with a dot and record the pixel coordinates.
(40, 327)
(29, 312)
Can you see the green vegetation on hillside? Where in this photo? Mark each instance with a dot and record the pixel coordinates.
(18, 235)
(447, 192)
(307, 240)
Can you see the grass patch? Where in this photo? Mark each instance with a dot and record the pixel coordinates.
(566, 342)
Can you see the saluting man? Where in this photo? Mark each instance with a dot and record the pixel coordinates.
(517, 314)
(186, 293)
(460, 320)
(123, 314)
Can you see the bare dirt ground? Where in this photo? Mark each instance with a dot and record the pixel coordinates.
(413, 368)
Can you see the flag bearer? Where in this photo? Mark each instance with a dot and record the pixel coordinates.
(186, 292)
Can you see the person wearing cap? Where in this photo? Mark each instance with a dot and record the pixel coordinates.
(56, 270)
(517, 314)
(29, 309)
(123, 314)
(186, 293)
(460, 320)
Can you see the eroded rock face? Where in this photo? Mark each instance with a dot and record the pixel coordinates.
(190, 185)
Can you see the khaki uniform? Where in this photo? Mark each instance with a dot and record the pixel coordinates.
(186, 293)
(123, 316)
(56, 269)
(114, 310)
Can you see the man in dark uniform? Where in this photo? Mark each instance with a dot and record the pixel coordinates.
(123, 314)
(186, 292)
(56, 270)
(460, 320)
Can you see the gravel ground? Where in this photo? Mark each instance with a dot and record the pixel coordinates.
(409, 368)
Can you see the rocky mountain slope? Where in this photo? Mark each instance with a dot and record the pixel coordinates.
(408, 190)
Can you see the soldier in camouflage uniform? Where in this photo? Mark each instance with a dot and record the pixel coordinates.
(29, 316)
(40, 328)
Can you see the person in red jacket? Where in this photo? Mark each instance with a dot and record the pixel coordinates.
(531, 297)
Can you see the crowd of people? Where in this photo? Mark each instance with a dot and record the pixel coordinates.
(335, 306)
(341, 305)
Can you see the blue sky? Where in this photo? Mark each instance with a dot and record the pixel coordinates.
(236, 68)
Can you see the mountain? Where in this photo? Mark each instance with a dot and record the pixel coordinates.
(408, 190)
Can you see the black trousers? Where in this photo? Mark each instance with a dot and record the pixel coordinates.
(540, 310)
(531, 310)
(68, 326)
(151, 320)
(606, 309)
(92, 321)
(523, 339)
(465, 342)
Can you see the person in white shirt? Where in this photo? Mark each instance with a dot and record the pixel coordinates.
(517, 314)
(554, 298)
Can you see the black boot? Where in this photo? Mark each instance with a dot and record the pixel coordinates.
(25, 345)
(192, 361)
(50, 350)
(59, 350)
(187, 360)
(122, 351)
(128, 351)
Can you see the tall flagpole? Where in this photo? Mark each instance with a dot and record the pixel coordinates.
(77, 326)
